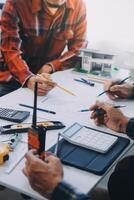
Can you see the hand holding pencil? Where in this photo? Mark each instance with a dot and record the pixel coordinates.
(118, 89)
(52, 84)
(45, 84)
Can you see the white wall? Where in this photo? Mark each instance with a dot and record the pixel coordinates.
(111, 25)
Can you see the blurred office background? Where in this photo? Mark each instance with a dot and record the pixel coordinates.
(111, 27)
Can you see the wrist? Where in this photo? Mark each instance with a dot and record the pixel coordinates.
(130, 128)
(47, 68)
(27, 82)
(123, 124)
(53, 187)
(55, 183)
(60, 189)
(52, 67)
(133, 91)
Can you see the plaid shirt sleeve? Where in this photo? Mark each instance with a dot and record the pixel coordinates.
(78, 41)
(66, 192)
(11, 42)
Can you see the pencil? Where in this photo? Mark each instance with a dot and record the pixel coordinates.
(98, 79)
(40, 109)
(87, 110)
(121, 82)
(62, 88)
(84, 110)
(66, 90)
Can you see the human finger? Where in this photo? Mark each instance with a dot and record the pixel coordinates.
(25, 172)
(45, 75)
(46, 78)
(41, 79)
(52, 158)
(109, 84)
(42, 92)
(111, 95)
(103, 105)
(105, 119)
(30, 155)
(93, 107)
(93, 115)
(117, 88)
(96, 121)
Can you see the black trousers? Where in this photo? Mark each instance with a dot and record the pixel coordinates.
(7, 87)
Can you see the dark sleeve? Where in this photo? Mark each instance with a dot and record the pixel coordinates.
(67, 192)
(121, 181)
(130, 128)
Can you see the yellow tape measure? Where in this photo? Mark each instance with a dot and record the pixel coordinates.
(4, 153)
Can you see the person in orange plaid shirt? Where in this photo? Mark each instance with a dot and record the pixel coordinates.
(34, 34)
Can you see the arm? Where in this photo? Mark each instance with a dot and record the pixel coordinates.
(46, 178)
(78, 41)
(66, 192)
(10, 43)
(10, 47)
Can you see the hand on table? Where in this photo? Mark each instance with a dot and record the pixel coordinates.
(113, 118)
